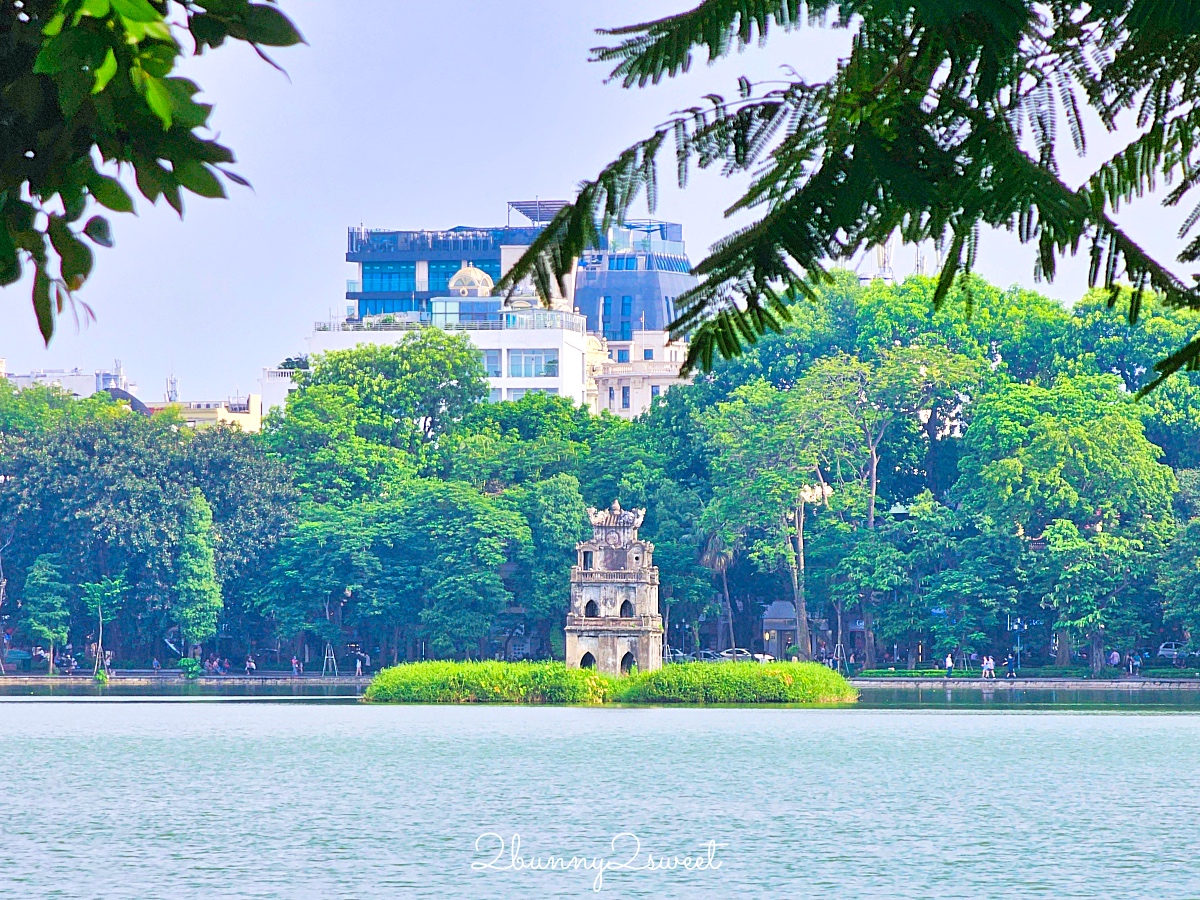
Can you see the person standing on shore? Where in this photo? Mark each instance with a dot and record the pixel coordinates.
(1011, 664)
(156, 666)
(949, 665)
(295, 665)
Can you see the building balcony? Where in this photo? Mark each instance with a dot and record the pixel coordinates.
(640, 367)
(599, 576)
(517, 320)
(611, 623)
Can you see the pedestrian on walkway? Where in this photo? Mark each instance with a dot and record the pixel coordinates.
(1010, 663)
(949, 664)
(295, 665)
(156, 666)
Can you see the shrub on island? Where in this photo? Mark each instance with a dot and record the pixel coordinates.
(704, 683)
(445, 681)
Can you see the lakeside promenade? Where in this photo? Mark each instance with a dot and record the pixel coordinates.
(1009, 684)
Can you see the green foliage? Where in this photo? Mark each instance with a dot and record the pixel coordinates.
(943, 119)
(694, 683)
(705, 683)
(189, 667)
(89, 88)
(489, 682)
(45, 600)
(198, 594)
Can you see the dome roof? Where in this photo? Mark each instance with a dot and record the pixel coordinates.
(470, 281)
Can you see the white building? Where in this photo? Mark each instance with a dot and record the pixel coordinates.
(76, 381)
(523, 351)
(637, 371)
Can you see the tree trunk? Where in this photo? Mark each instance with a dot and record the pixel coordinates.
(873, 485)
(1096, 657)
(803, 645)
(50, 671)
(1063, 655)
(869, 636)
(728, 608)
(99, 644)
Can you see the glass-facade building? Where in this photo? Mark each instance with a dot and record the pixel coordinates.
(401, 271)
(630, 283)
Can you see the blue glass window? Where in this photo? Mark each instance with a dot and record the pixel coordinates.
(655, 390)
(389, 277)
(626, 306)
(626, 332)
(625, 397)
(491, 266)
(624, 262)
(607, 303)
(440, 273)
(623, 355)
(647, 354)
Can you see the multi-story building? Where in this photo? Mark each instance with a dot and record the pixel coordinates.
(631, 281)
(525, 348)
(76, 381)
(637, 371)
(244, 412)
(603, 343)
(400, 272)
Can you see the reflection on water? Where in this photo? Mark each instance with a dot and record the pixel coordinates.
(257, 800)
(1029, 699)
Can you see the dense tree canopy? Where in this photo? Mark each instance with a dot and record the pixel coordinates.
(907, 482)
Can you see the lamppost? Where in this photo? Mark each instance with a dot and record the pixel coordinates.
(809, 494)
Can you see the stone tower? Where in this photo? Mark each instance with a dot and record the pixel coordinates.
(614, 624)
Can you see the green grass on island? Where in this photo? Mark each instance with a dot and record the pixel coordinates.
(554, 683)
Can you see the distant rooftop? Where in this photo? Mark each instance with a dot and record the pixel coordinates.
(539, 212)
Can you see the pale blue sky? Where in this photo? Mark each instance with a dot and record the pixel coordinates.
(400, 114)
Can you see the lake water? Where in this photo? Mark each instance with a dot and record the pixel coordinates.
(245, 799)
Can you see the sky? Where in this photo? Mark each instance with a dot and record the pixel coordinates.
(404, 114)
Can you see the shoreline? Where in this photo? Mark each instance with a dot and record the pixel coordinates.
(1050, 684)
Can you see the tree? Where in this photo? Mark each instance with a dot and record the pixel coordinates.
(103, 600)
(86, 89)
(407, 395)
(1091, 587)
(198, 593)
(767, 471)
(44, 603)
(1179, 581)
(943, 119)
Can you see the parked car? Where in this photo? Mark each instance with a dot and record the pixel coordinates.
(671, 655)
(1172, 650)
(737, 654)
(707, 656)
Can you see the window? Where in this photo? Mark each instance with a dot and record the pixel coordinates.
(494, 395)
(624, 262)
(648, 354)
(515, 394)
(623, 355)
(626, 332)
(607, 303)
(491, 363)
(625, 397)
(587, 662)
(655, 390)
(491, 266)
(626, 610)
(533, 363)
(591, 610)
(388, 277)
(587, 559)
(626, 306)
(612, 396)
(440, 273)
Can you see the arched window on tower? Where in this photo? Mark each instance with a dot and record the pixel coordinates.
(626, 610)
(628, 663)
(591, 610)
(589, 661)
